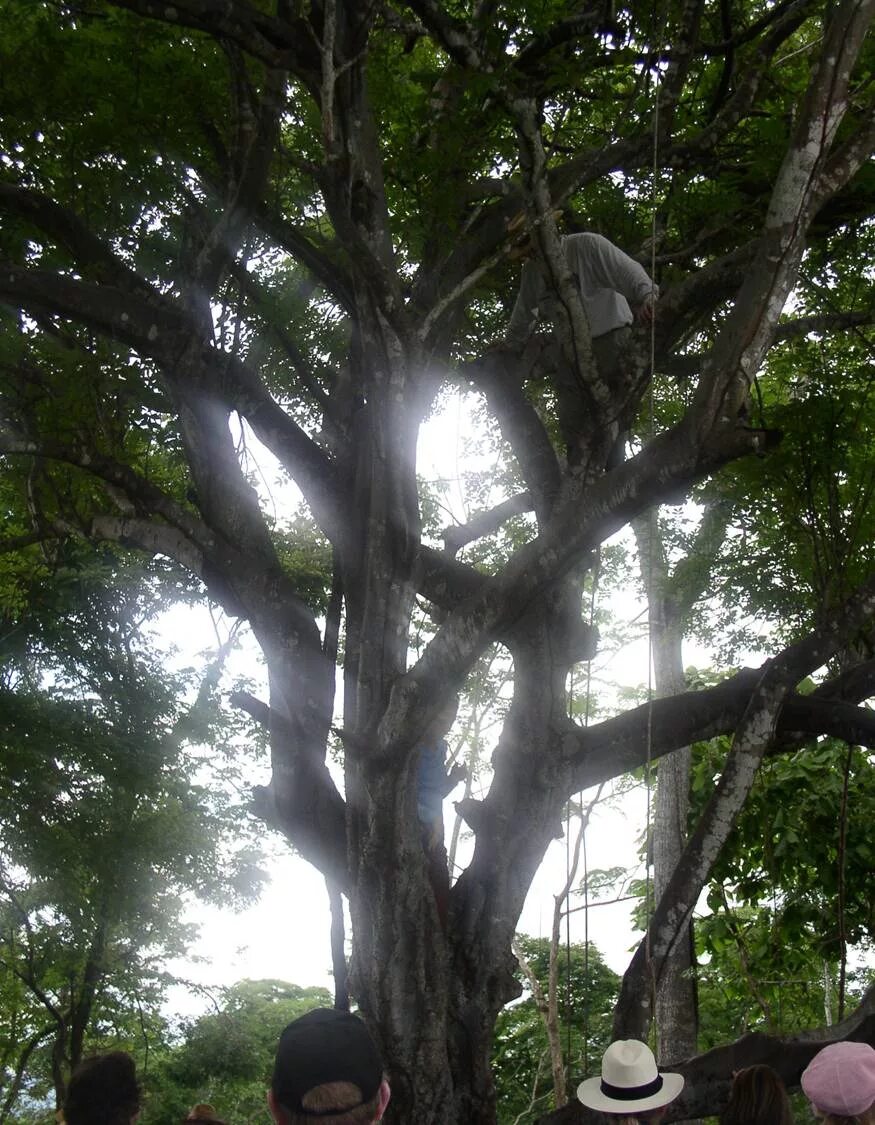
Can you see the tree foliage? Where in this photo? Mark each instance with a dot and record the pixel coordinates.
(225, 1058)
(105, 832)
(790, 894)
(521, 1063)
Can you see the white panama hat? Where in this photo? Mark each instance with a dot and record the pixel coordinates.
(630, 1081)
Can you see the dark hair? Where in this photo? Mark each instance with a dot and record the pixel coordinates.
(205, 1114)
(757, 1097)
(103, 1090)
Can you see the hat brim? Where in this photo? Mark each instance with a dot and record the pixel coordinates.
(589, 1092)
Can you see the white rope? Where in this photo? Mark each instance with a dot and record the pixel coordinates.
(651, 538)
(596, 575)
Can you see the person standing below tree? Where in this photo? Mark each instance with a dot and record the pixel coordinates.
(204, 1114)
(631, 1087)
(103, 1090)
(327, 1069)
(757, 1097)
(840, 1084)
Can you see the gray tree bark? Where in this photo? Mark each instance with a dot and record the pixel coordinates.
(670, 597)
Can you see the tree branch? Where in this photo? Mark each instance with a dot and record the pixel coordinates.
(620, 745)
(321, 263)
(310, 811)
(143, 495)
(747, 332)
(156, 328)
(92, 256)
(457, 536)
(823, 322)
(455, 37)
(279, 43)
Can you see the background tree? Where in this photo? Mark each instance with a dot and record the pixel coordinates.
(104, 829)
(225, 1058)
(672, 589)
(790, 893)
(521, 1062)
(290, 221)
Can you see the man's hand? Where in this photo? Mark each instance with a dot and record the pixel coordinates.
(646, 311)
(457, 773)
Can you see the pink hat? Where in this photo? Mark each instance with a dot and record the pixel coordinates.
(840, 1079)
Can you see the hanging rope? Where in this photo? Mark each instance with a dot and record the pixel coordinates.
(567, 1062)
(651, 538)
(649, 733)
(842, 862)
(596, 576)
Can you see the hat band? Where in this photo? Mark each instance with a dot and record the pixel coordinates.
(631, 1093)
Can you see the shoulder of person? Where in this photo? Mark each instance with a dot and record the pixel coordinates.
(588, 244)
(586, 238)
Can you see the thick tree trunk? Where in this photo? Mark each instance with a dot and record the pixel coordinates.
(676, 999)
(435, 1008)
(525, 808)
(676, 1003)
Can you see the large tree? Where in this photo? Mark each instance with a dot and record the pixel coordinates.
(289, 219)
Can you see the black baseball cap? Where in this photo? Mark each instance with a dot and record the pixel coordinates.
(325, 1045)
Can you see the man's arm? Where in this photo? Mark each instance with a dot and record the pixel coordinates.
(457, 773)
(524, 316)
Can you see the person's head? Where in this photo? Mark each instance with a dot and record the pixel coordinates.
(630, 1086)
(103, 1090)
(757, 1097)
(840, 1083)
(205, 1114)
(521, 229)
(327, 1070)
(442, 721)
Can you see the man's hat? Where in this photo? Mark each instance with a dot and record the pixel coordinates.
(630, 1081)
(840, 1079)
(521, 228)
(523, 222)
(325, 1045)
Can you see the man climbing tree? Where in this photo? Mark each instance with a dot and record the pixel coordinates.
(288, 221)
(609, 285)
